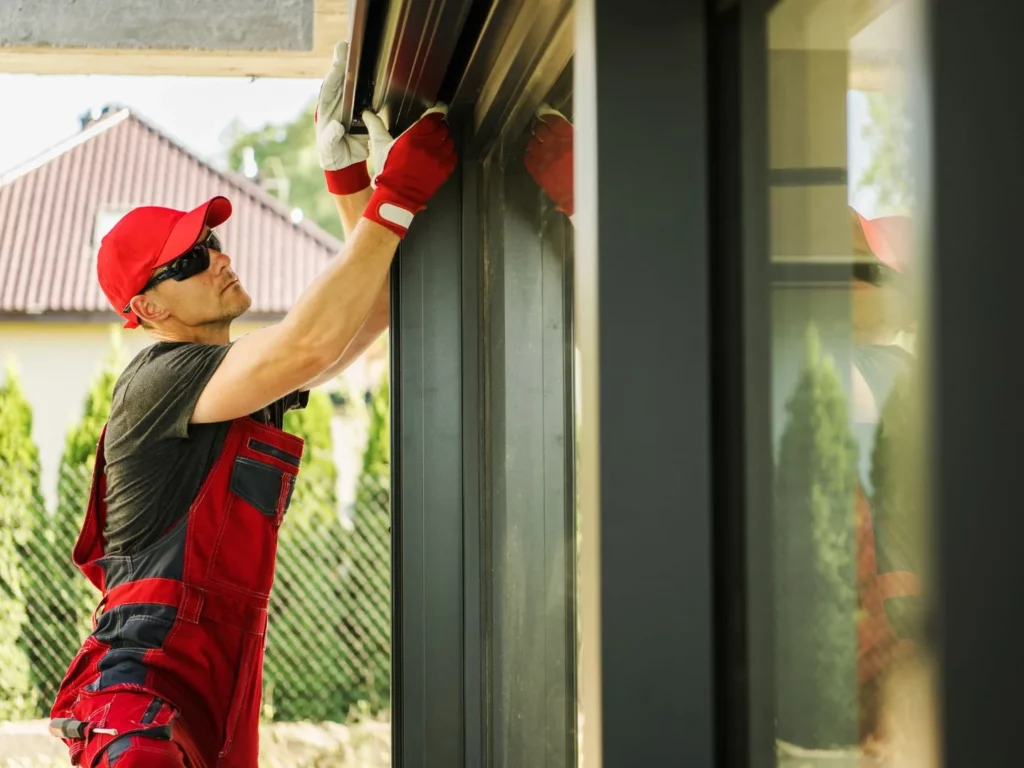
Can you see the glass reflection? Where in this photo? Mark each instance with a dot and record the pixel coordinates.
(851, 659)
(530, 437)
(549, 157)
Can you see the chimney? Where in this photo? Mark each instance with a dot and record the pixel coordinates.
(94, 115)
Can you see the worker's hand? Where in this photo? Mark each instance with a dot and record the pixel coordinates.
(342, 156)
(549, 157)
(409, 169)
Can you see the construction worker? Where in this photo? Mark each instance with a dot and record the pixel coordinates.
(193, 472)
(888, 562)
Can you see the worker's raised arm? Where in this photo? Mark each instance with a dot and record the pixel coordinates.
(380, 312)
(274, 361)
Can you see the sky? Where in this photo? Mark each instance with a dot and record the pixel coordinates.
(858, 156)
(43, 110)
(196, 111)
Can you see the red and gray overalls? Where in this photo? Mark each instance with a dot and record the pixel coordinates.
(177, 648)
(887, 589)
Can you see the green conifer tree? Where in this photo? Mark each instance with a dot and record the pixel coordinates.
(816, 641)
(20, 502)
(61, 600)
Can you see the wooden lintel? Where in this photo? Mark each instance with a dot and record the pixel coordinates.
(330, 26)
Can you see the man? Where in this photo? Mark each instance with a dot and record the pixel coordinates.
(888, 545)
(193, 472)
(881, 310)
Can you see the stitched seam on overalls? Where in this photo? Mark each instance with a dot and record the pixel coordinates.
(273, 432)
(213, 557)
(148, 619)
(132, 559)
(189, 543)
(220, 533)
(203, 491)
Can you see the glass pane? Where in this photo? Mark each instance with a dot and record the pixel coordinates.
(847, 384)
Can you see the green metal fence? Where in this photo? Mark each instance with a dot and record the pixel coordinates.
(328, 639)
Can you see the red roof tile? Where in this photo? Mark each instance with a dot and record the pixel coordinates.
(49, 209)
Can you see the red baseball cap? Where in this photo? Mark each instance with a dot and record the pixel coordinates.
(147, 238)
(890, 239)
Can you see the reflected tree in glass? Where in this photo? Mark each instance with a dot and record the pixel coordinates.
(815, 561)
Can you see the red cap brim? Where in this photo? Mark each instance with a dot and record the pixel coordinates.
(890, 240)
(186, 232)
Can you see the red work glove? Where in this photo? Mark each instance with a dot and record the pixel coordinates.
(549, 157)
(410, 169)
(342, 156)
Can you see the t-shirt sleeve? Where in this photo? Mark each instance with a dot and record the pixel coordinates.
(161, 395)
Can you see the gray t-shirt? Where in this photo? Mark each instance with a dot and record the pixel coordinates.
(156, 460)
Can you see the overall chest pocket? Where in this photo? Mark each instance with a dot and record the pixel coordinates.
(267, 489)
(259, 495)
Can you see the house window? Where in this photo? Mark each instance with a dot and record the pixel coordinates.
(851, 527)
(106, 218)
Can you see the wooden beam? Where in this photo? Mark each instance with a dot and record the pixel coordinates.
(330, 24)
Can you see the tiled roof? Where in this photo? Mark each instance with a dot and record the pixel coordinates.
(50, 209)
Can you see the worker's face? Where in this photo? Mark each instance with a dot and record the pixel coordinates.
(211, 297)
(877, 310)
(876, 301)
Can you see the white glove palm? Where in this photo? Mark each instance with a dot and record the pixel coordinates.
(336, 148)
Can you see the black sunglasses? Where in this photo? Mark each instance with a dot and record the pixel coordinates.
(876, 274)
(195, 260)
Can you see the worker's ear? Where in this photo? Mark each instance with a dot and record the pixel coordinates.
(146, 308)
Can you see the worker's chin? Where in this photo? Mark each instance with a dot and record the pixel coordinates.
(240, 305)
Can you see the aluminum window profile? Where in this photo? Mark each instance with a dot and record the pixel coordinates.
(968, 403)
(429, 609)
(743, 472)
(529, 504)
(476, 560)
(406, 52)
(973, 189)
(432, 725)
(521, 58)
(528, 668)
(418, 41)
(358, 10)
(647, 490)
(521, 52)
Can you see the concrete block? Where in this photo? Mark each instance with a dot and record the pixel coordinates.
(232, 25)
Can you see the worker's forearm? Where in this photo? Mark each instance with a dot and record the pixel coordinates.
(375, 324)
(350, 209)
(330, 312)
